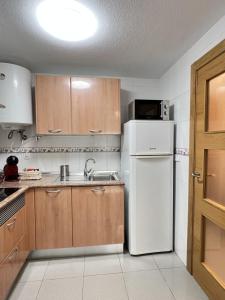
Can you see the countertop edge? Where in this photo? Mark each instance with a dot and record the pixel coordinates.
(24, 186)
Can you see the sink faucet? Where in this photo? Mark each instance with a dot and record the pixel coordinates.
(87, 172)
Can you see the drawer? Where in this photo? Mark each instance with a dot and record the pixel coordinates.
(11, 266)
(11, 232)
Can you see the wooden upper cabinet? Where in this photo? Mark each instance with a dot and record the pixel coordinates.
(95, 106)
(53, 104)
(53, 218)
(98, 215)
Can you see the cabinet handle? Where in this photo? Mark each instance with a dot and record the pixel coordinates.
(55, 130)
(2, 106)
(14, 255)
(95, 130)
(98, 189)
(53, 191)
(11, 225)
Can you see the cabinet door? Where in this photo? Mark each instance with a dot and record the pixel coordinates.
(53, 218)
(11, 266)
(53, 104)
(98, 215)
(11, 232)
(95, 105)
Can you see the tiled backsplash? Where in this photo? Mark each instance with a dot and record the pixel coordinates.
(49, 152)
(59, 149)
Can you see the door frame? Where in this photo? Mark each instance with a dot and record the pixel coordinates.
(205, 59)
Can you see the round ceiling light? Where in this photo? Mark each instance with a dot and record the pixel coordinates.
(66, 20)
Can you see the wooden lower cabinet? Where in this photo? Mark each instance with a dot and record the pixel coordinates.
(11, 266)
(98, 215)
(53, 218)
(11, 232)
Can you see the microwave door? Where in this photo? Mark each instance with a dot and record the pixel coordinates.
(148, 110)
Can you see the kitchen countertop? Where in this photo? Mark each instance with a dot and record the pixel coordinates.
(48, 181)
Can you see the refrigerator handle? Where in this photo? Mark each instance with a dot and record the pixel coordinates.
(152, 156)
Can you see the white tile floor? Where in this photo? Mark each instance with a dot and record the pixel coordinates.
(109, 277)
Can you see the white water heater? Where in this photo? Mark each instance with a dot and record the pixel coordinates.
(15, 96)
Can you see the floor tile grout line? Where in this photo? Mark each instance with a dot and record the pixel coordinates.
(172, 267)
(155, 262)
(123, 278)
(164, 279)
(43, 278)
(39, 290)
(102, 274)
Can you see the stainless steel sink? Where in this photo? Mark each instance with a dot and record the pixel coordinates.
(95, 176)
(104, 176)
(72, 177)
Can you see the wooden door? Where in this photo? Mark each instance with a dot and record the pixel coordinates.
(208, 264)
(53, 104)
(53, 218)
(95, 105)
(98, 215)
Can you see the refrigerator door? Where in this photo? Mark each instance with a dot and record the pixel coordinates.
(149, 137)
(150, 204)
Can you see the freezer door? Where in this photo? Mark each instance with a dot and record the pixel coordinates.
(150, 137)
(150, 204)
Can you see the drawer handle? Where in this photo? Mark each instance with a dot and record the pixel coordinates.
(53, 191)
(14, 255)
(98, 190)
(11, 225)
(95, 130)
(55, 130)
(2, 106)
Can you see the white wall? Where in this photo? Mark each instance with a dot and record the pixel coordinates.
(175, 86)
(131, 88)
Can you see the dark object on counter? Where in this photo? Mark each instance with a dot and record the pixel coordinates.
(11, 169)
(5, 192)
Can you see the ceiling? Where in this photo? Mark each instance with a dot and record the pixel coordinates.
(136, 38)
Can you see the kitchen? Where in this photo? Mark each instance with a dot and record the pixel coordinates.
(78, 227)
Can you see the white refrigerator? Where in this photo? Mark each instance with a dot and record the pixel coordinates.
(147, 170)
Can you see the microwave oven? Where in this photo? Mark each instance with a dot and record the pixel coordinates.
(140, 109)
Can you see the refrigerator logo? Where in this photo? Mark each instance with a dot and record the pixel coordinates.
(2, 76)
(152, 148)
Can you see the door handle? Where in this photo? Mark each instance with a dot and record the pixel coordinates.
(151, 156)
(197, 175)
(2, 106)
(53, 191)
(14, 255)
(95, 130)
(11, 225)
(55, 130)
(98, 189)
